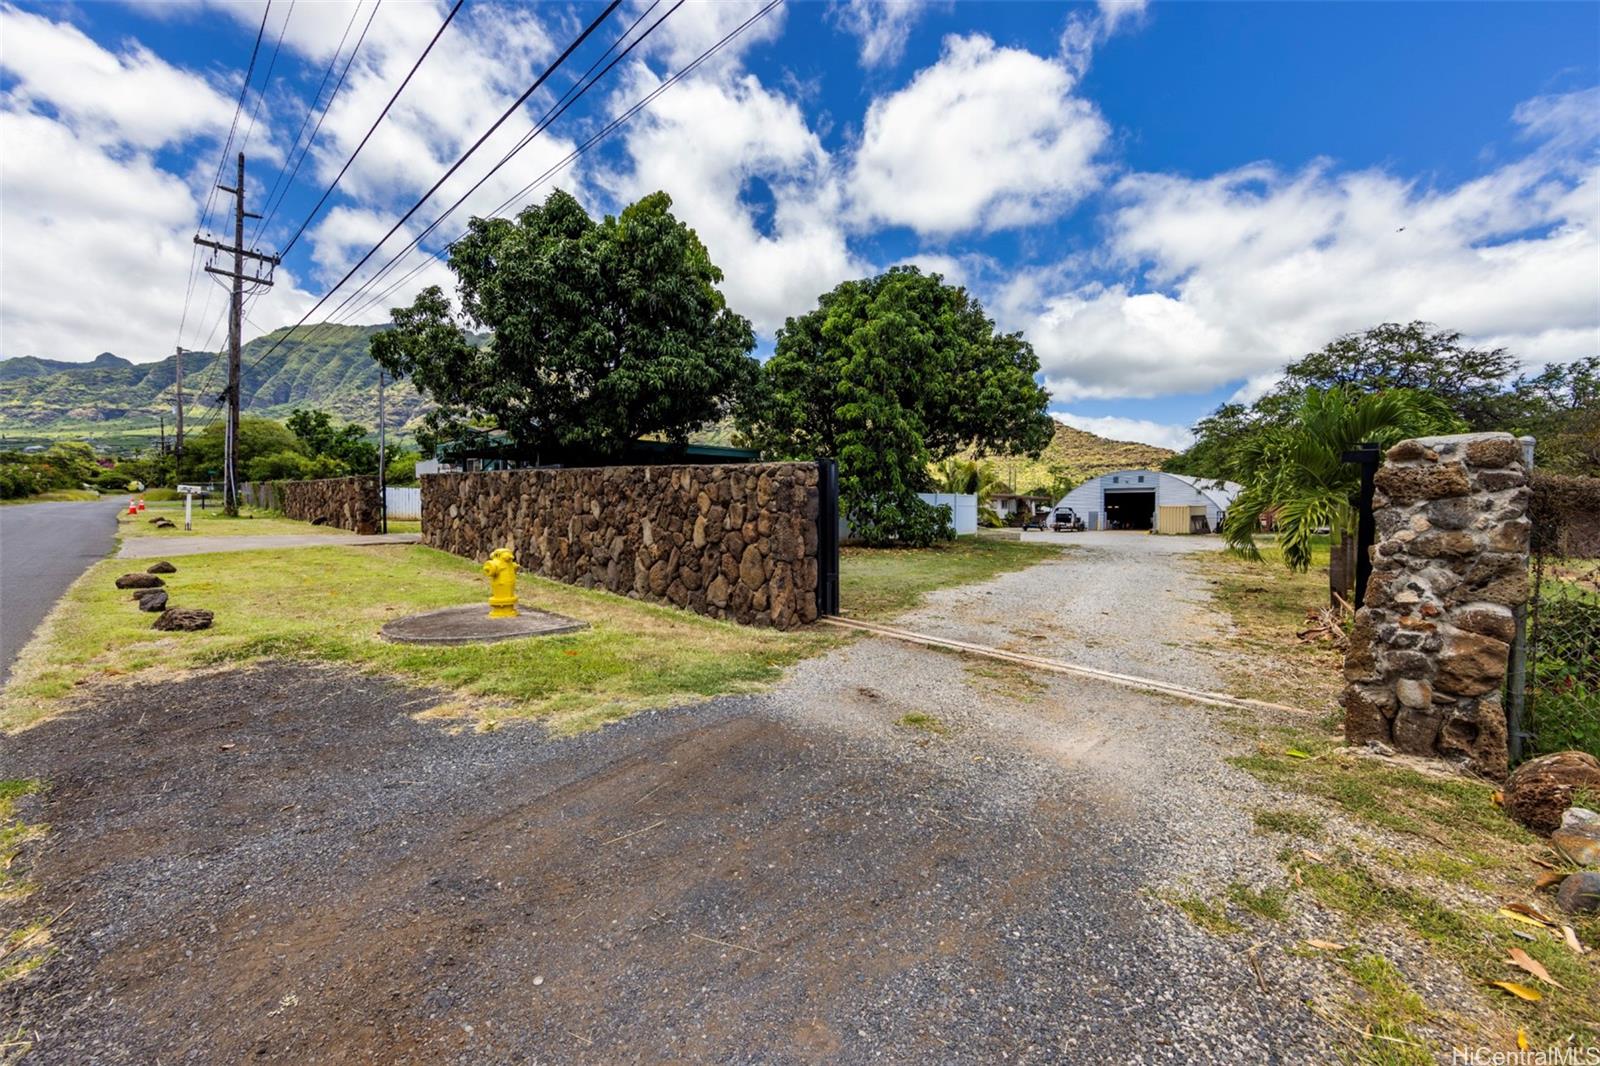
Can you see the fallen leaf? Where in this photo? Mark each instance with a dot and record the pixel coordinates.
(226, 747)
(1499, 799)
(1297, 753)
(1522, 1040)
(1532, 912)
(1523, 961)
(1327, 945)
(1571, 937)
(1532, 995)
(1542, 862)
(1313, 856)
(1504, 913)
(1548, 879)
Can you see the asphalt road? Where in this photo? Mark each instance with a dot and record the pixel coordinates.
(43, 549)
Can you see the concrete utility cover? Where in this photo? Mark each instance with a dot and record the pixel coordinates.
(472, 625)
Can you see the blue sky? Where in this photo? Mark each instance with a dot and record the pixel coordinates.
(1171, 200)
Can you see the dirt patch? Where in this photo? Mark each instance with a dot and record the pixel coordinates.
(280, 863)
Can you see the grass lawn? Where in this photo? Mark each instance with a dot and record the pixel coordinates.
(1430, 854)
(328, 603)
(58, 496)
(1267, 604)
(879, 583)
(212, 522)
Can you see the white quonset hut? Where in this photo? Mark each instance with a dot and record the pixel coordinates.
(1151, 499)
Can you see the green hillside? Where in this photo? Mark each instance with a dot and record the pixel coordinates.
(1082, 454)
(323, 366)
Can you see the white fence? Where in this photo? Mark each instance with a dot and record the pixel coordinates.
(403, 502)
(963, 508)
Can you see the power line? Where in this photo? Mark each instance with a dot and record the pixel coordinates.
(194, 256)
(273, 200)
(575, 92)
(515, 105)
(266, 83)
(368, 136)
(604, 132)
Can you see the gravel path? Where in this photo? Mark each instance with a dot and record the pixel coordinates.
(1114, 601)
(282, 863)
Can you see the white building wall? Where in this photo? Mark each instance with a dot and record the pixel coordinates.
(1088, 499)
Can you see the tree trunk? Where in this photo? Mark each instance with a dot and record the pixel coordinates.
(1341, 569)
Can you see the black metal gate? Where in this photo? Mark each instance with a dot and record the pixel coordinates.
(827, 537)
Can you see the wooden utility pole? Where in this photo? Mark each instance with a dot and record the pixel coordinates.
(383, 481)
(230, 460)
(177, 440)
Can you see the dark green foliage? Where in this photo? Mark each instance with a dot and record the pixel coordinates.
(1416, 356)
(258, 437)
(1560, 405)
(1298, 471)
(346, 445)
(887, 375)
(67, 465)
(599, 332)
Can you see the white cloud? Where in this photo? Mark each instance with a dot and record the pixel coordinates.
(882, 26)
(97, 236)
(1084, 32)
(746, 171)
(699, 24)
(132, 97)
(1141, 430)
(1247, 270)
(986, 138)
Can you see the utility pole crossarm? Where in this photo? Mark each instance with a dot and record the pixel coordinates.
(248, 254)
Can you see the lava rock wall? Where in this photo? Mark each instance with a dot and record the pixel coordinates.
(1428, 652)
(344, 502)
(730, 541)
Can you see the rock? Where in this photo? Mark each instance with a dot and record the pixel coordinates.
(1540, 790)
(152, 600)
(165, 523)
(1580, 893)
(1471, 665)
(1412, 693)
(708, 538)
(163, 567)
(183, 618)
(1580, 843)
(1578, 818)
(139, 581)
(1403, 484)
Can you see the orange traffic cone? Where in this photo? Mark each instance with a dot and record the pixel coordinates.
(133, 505)
(141, 504)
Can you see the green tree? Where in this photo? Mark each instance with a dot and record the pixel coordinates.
(202, 452)
(346, 445)
(968, 477)
(1416, 356)
(888, 375)
(1560, 408)
(599, 332)
(1300, 477)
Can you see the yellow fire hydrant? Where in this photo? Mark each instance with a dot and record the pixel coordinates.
(502, 570)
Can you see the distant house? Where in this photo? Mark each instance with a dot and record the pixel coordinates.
(1007, 504)
(1152, 499)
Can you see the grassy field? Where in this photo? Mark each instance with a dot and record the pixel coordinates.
(58, 496)
(1429, 855)
(328, 603)
(212, 522)
(1268, 605)
(879, 583)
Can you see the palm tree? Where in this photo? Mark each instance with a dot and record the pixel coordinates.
(1297, 472)
(967, 477)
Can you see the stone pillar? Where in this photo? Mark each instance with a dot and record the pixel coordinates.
(1427, 662)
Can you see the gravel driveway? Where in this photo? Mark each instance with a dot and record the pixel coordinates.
(282, 863)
